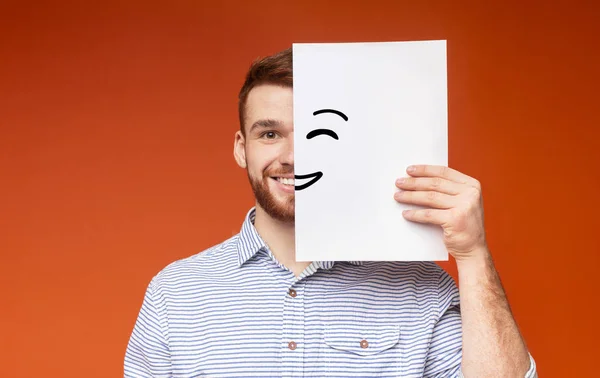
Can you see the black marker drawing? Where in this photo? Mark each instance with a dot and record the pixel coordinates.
(345, 117)
(316, 132)
(315, 176)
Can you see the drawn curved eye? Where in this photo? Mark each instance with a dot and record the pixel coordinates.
(318, 132)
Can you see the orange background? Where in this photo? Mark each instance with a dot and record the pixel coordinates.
(116, 135)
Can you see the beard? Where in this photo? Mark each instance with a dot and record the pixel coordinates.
(280, 209)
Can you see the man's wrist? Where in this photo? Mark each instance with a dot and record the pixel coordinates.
(477, 277)
(477, 269)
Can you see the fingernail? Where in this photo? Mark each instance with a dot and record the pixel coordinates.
(411, 168)
(400, 181)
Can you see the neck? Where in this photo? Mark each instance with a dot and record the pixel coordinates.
(280, 237)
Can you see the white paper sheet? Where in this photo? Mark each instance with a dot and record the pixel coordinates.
(394, 95)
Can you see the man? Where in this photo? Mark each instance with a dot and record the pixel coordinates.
(246, 308)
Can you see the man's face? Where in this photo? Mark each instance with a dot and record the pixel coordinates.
(267, 149)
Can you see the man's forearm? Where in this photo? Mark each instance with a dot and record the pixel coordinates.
(492, 343)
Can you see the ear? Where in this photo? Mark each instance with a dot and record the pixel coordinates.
(239, 149)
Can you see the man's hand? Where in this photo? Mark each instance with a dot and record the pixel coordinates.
(492, 344)
(453, 200)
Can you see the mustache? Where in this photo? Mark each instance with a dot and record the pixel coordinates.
(279, 171)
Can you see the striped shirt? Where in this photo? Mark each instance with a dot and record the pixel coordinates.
(235, 311)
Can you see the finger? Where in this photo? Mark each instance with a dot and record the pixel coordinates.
(437, 184)
(426, 198)
(443, 172)
(429, 216)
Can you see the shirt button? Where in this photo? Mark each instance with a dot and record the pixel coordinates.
(292, 293)
(292, 345)
(364, 344)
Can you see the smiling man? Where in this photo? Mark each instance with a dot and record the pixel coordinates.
(246, 308)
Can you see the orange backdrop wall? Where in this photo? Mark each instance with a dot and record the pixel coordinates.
(116, 135)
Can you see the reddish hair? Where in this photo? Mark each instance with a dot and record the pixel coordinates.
(274, 69)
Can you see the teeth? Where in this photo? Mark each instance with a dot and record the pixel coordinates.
(286, 181)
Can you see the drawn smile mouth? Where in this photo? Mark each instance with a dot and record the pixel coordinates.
(312, 178)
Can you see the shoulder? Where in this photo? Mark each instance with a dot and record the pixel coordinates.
(199, 266)
(419, 277)
(411, 288)
(423, 278)
(406, 271)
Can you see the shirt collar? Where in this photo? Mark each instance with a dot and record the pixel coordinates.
(250, 243)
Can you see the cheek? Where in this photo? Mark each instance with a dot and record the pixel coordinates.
(259, 159)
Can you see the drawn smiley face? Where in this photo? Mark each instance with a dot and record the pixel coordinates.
(316, 176)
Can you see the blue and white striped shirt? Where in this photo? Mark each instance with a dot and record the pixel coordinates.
(234, 311)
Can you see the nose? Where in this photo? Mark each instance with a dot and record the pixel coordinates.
(287, 155)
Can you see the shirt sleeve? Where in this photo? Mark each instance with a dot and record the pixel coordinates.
(148, 352)
(445, 350)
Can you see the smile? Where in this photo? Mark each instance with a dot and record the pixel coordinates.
(313, 177)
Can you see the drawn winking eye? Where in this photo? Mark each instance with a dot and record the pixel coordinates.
(331, 133)
(317, 132)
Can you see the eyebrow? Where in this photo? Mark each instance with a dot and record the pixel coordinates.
(265, 123)
(345, 117)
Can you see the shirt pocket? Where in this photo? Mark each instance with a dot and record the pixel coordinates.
(362, 339)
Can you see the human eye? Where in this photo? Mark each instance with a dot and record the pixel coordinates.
(268, 135)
